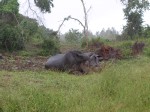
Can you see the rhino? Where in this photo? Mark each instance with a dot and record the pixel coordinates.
(66, 61)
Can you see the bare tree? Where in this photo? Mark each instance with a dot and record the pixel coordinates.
(85, 20)
(47, 9)
(85, 25)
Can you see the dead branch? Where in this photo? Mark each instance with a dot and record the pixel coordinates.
(67, 18)
(85, 25)
(34, 12)
(85, 14)
(78, 21)
(89, 9)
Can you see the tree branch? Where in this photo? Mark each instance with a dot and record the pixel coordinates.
(89, 9)
(85, 14)
(66, 19)
(34, 12)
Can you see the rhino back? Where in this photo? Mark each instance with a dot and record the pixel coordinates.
(55, 62)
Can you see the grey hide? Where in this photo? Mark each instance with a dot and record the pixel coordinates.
(66, 61)
(94, 59)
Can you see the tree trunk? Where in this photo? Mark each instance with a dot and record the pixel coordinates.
(86, 23)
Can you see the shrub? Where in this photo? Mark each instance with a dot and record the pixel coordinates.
(126, 48)
(10, 38)
(93, 41)
(50, 46)
(73, 36)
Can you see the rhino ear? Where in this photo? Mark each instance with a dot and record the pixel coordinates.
(79, 55)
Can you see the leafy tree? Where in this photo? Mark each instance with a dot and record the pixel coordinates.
(9, 6)
(29, 27)
(133, 13)
(44, 5)
(10, 36)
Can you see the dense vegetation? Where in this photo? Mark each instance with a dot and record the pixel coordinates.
(19, 32)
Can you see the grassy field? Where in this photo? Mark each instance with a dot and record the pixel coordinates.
(123, 86)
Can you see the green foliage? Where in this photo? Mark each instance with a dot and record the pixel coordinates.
(94, 40)
(10, 38)
(50, 47)
(125, 47)
(9, 6)
(50, 42)
(146, 50)
(133, 12)
(135, 6)
(73, 36)
(8, 11)
(99, 39)
(134, 25)
(17, 31)
(29, 28)
(12, 6)
(24, 53)
(44, 5)
(47, 33)
(146, 32)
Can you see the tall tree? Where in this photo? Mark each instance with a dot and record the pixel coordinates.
(133, 13)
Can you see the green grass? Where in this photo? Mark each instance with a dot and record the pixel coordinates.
(121, 87)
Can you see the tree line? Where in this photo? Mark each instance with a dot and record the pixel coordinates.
(18, 30)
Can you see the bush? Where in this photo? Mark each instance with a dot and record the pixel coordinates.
(10, 38)
(50, 46)
(93, 41)
(73, 36)
(146, 50)
(126, 48)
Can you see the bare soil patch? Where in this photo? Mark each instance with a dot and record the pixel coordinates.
(22, 63)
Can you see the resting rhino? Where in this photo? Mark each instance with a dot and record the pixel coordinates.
(69, 60)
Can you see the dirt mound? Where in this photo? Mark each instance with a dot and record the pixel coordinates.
(108, 52)
(137, 48)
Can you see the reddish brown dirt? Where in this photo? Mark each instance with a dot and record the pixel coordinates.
(108, 52)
